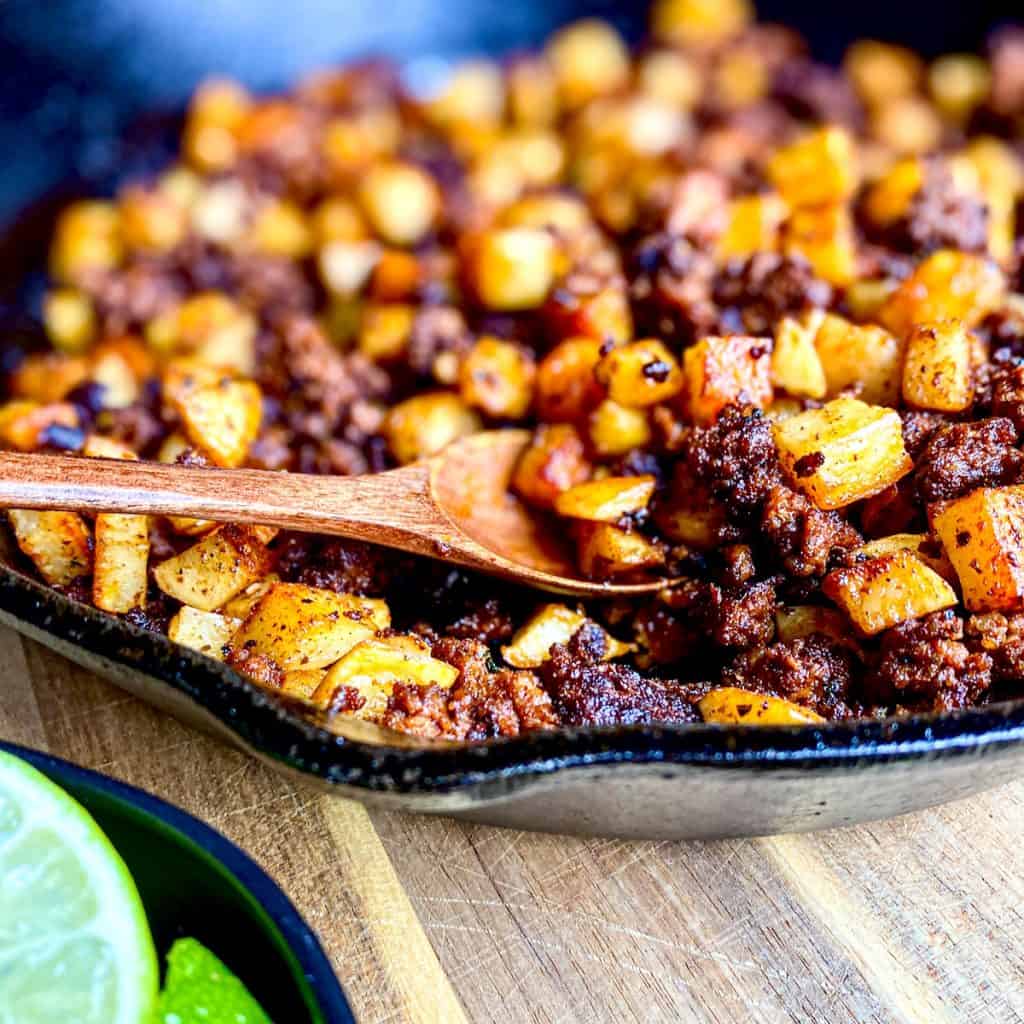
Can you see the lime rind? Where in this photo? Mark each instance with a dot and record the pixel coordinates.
(49, 848)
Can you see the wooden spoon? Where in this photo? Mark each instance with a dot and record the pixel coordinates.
(455, 506)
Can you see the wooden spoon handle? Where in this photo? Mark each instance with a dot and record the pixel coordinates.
(392, 508)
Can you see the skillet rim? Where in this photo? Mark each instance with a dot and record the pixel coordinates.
(268, 726)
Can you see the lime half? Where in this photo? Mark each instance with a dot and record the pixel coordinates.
(74, 943)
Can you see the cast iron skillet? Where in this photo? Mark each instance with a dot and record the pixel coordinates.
(77, 75)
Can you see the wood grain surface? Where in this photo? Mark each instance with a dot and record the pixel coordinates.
(917, 920)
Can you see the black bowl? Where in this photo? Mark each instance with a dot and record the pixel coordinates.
(193, 882)
(77, 74)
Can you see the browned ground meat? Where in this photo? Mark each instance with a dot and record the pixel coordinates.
(962, 456)
(1002, 638)
(1008, 394)
(802, 536)
(925, 666)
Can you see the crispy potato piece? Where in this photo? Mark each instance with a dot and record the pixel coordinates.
(640, 374)
(917, 544)
(889, 198)
(222, 419)
(424, 424)
(240, 606)
(796, 365)
(616, 430)
(306, 627)
(497, 377)
(824, 236)
(173, 446)
(567, 387)
(605, 550)
(553, 462)
(794, 621)
(948, 285)
(22, 423)
(845, 451)
(401, 201)
(937, 370)
(690, 515)
(723, 370)
(753, 225)
(48, 376)
(553, 624)
(206, 632)
(302, 683)
(729, 705)
(374, 666)
(57, 542)
(606, 500)
(853, 354)
(220, 566)
(817, 169)
(512, 268)
(882, 592)
(983, 535)
(385, 329)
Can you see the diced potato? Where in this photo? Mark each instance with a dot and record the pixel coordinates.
(937, 371)
(280, 229)
(114, 373)
(719, 371)
(983, 534)
(882, 592)
(473, 92)
(70, 320)
(753, 224)
(600, 312)
(639, 374)
(843, 452)
(385, 329)
(151, 220)
(302, 683)
(824, 236)
(916, 543)
(552, 624)
(882, 72)
(240, 606)
(590, 59)
(795, 621)
(690, 515)
(616, 430)
(730, 705)
(57, 542)
(796, 365)
(173, 446)
(553, 462)
(374, 666)
(98, 447)
(222, 419)
(958, 82)
(220, 566)
(216, 112)
(606, 500)
(401, 202)
(907, 126)
(866, 297)
(605, 550)
(206, 632)
(513, 268)
(567, 388)
(497, 377)
(889, 198)
(46, 377)
(948, 285)
(87, 237)
(424, 424)
(818, 169)
(306, 627)
(700, 23)
(23, 423)
(346, 266)
(855, 354)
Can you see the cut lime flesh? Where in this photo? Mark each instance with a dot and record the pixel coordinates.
(74, 943)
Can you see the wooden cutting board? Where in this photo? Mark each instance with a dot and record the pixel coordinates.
(918, 920)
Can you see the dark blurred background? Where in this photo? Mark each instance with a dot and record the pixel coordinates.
(77, 71)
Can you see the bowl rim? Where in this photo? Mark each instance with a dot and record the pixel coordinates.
(299, 937)
(270, 727)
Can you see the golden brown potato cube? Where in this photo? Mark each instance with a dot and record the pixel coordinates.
(532, 92)
(22, 423)
(818, 169)
(346, 266)
(639, 374)
(882, 592)
(280, 228)
(606, 500)
(552, 624)
(700, 23)
(720, 371)
(58, 543)
(567, 387)
(983, 535)
(87, 237)
(824, 236)
(220, 566)
(889, 198)
(948, 285)
(796, 365)
(114, 373)
(98, 447)
(730, 705)
(959, 82)
(753, 225)
(617, 430)
(306, 627)
(424, 424)
(512, 268)
(554, 461)
(46, 377)
(909, 126)
(373, 667)
(222, 419)
(859, 354)
(881, 72)
(240, 606)
(601, 312)
(497, 377)
(216, 112)
(474, 92)
(690, 515)
(794, 621)
(919, 544)
(70, 320)
(385, 329)
(937, 370)
(206, 632)
(401, 202)
(604, 550)
(151, 220)
(173, 446)
(843, 452)
(302, 683)
(590, 59)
